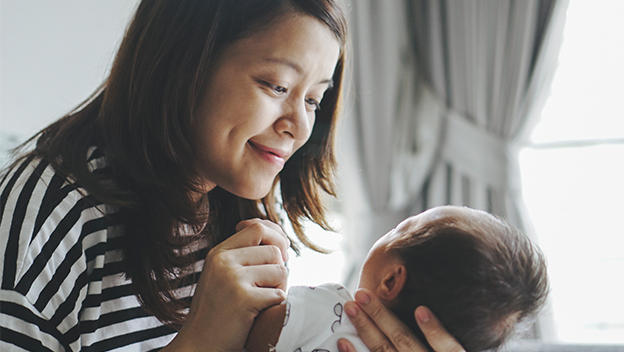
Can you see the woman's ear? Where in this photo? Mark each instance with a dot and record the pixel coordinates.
(392, 282)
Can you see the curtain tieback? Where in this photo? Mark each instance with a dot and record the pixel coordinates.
(474, 151)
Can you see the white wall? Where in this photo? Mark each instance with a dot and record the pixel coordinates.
(53, 55)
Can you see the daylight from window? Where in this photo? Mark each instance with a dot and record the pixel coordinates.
(572, 177)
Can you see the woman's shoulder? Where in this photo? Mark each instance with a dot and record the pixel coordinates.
(45, 215)
(33, 176)
(59, 253)
(34, 182)
(32, 192)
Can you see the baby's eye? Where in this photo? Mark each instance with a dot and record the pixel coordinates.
(315, 105)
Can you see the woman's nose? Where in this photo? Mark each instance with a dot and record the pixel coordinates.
(296, 120)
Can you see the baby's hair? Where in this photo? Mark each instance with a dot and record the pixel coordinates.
(478, 274)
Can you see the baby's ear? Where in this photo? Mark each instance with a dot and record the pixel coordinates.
(392, 282)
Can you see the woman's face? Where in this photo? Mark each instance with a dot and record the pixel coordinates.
(259, 105)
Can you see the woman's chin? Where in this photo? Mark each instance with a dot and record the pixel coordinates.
(252, 193)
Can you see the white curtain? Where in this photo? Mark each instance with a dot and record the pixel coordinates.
(443, 94)
(492, 63)
(385, 152)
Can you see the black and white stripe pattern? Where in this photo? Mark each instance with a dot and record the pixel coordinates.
(62, 286)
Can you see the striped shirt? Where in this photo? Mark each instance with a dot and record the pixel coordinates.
(62, 286)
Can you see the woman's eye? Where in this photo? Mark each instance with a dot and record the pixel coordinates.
(279, 89)
(315, 105)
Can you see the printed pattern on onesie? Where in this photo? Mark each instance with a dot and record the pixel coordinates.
(315, 320)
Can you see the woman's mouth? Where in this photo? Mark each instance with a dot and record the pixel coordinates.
(272, 155)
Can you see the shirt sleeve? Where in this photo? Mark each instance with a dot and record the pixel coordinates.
(47, 226)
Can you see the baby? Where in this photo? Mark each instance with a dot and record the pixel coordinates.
(480, 277)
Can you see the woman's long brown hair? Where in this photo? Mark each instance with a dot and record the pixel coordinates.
(144, 116)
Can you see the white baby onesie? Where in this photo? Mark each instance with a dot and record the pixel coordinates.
(315, 320)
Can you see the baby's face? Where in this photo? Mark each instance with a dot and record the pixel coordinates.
(379, 257)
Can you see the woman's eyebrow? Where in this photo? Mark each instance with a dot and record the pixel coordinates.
(295, 66)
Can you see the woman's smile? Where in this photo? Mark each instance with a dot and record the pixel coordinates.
(275, 156)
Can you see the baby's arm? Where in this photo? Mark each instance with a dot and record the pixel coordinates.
(266, 329)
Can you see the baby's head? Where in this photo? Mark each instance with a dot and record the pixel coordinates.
(479, 275)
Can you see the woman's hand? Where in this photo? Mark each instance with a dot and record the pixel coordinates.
(382, 331)
(242, 276)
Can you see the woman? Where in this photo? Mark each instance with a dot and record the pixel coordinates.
(146, 218)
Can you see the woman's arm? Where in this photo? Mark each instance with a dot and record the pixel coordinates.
(382, 331)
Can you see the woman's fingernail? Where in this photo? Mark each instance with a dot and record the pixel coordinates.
(351, 312)
(422, 314)
(362, 298)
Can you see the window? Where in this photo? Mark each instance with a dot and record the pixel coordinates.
(313, 268)
(573, 177)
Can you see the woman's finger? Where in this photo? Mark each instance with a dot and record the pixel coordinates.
(260, 266)
(273, 275)
(345, 345)
(254, 232)
(259, 298)
(268, 223)
(366, 328)
(389, 329)
(437, 336)
(258, 255)
(257, 232)
(265, 285)
(245, 223)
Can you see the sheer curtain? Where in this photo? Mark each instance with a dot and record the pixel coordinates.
(443, 94)
(491, 62)
(385, 152)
